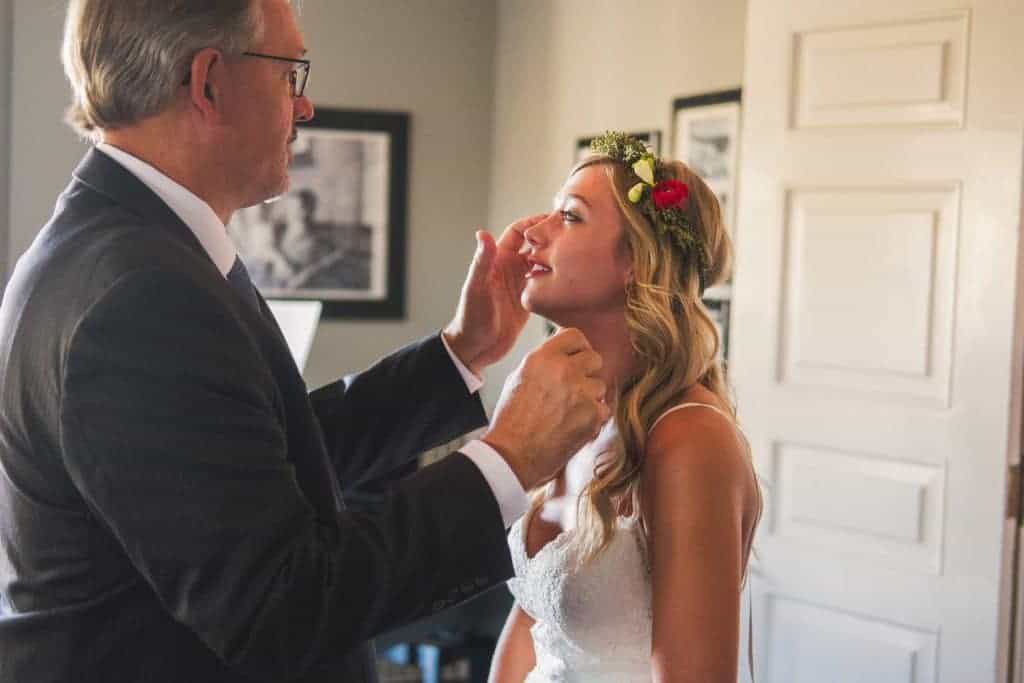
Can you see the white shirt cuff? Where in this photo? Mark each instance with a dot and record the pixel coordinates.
(473, 383)
(503, 481)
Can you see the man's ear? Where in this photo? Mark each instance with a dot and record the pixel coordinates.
(205, 82)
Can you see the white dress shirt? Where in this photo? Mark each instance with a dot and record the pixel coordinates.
(211, 233)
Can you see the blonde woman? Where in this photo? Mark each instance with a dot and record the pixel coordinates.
(629, 565)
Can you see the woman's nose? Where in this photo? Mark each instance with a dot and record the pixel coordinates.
(534, 235)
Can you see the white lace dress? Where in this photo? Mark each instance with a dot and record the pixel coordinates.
(593, 623)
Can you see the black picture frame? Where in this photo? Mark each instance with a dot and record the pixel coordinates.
(652, 138)
(338, 235)
(705, 136)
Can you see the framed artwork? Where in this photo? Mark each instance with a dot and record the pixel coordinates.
(705, 134)
(338, 235)
(651, 138)
(718, 309)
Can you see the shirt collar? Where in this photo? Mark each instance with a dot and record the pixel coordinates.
(193, 211)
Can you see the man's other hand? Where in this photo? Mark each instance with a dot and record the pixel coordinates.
(549, 408)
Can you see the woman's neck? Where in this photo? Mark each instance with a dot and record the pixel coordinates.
(609, 337)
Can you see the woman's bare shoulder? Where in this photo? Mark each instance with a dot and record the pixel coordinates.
(703, 445)
(696, 422)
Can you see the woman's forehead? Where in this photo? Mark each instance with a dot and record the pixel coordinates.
(591, 183)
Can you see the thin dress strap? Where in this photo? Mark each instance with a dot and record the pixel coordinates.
(690, 405)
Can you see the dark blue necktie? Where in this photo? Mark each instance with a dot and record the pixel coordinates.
(238, 276)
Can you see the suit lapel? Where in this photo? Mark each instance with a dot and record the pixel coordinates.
(312, 459)
(102, 174)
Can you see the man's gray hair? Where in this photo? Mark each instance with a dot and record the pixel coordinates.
(126, 58)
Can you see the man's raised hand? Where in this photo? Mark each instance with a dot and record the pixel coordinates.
(490, 315)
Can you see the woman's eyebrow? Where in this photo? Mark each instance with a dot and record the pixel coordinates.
(559, 198)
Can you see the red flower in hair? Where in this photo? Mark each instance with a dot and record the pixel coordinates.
(670, 193)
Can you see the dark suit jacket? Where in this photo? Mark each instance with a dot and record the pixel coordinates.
(170, 506)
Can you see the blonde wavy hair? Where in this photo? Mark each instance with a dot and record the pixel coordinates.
(674, 340)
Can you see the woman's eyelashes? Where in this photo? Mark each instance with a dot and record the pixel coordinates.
(566, 207)
(569, 216)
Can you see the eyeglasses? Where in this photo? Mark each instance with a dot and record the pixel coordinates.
(298, 77)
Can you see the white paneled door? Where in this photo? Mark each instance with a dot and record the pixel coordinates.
(873, 327)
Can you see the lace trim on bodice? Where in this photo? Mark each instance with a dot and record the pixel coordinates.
(593, 621)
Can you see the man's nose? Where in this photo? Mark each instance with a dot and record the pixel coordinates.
(303, 109)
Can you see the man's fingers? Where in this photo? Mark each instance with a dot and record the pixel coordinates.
(485, 249)
(587, 362)
(512, 265)
(513, 237)
(524, 224)
(482, 237)
(595, 389)
(482, 260)
(568, 341)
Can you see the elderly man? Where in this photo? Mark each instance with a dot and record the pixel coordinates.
(170, 504)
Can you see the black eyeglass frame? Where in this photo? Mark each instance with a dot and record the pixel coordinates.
(298, 88)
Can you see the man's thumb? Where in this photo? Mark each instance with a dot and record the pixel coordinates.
(483, 258)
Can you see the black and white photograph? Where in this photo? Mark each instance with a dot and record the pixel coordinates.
(706, 138)
(337, 235)
(651, 138)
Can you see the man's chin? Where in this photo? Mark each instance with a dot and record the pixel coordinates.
(270, 199)
(282, 187)
(271, 195)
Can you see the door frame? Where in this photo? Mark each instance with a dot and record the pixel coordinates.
(1010, 651)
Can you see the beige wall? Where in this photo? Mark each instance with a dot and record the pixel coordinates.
(571, 68)
(43, 151)
(432, 59)
(6, 21)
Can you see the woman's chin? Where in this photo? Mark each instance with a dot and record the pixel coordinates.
(551, 313)
(533, 304)
(558, 310)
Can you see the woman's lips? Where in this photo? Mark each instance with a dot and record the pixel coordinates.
(537, 270)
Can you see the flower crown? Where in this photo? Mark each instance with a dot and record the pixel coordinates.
(662, 199)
